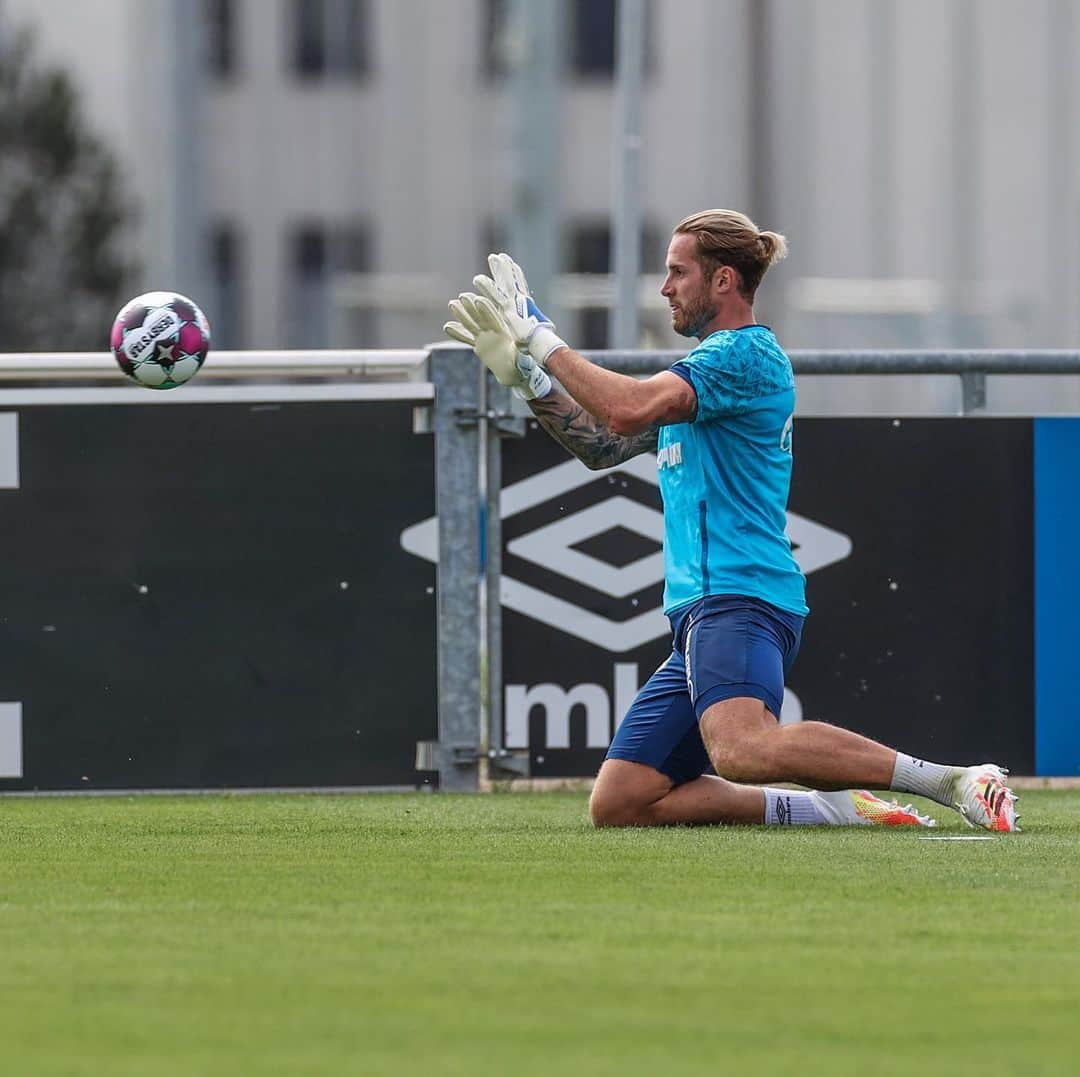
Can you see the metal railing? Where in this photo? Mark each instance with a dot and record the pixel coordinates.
(81, 367)
(226, 377)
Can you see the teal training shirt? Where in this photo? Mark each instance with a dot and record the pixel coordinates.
(725, 477)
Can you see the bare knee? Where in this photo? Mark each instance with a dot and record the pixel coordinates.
(602, 814)
(624, 794)
(607, 810)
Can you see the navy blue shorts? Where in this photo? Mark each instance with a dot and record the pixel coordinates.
(724, 647)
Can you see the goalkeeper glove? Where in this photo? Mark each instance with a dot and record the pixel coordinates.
(508, 290)
(479, 326)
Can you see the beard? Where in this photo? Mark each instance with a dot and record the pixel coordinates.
(692, 316)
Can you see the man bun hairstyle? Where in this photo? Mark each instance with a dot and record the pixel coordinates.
(726, 237)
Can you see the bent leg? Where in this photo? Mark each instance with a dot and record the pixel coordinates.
(634, 794)
(654, 772)
(746, 743)
(736, 657)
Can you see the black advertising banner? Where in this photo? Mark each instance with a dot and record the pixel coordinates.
(201, 596)
(916, 539)
(220, 595)
(923, 635)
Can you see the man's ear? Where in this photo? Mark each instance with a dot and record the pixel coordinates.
(724, 278)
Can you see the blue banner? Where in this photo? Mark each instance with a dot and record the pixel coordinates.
(1057, 595)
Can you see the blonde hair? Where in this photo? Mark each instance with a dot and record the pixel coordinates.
(726, 237)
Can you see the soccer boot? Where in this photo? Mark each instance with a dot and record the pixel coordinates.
(857, 807)
(981, 796)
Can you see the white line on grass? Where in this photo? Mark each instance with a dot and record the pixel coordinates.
(955, 837)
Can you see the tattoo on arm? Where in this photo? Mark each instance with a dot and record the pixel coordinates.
(593, 444)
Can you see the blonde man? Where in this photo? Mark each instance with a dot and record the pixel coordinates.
(720, 421)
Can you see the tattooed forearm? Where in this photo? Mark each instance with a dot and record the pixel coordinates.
(594, 445)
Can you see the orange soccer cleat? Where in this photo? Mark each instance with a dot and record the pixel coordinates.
(861, 808)
(983, 798)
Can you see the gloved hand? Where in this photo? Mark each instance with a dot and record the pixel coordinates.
(479, 326)
(508, 290)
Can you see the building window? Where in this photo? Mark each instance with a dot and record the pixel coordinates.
(494, 237)
(225, 312)
(590, 247)
(593, 35)
(496, 23)
(318, 254)
(331, 38)
(591, 27)
(220, 40)
(590, 251)
(592, 24)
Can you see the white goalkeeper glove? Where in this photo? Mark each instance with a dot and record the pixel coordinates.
(508, 290)
(479, 326)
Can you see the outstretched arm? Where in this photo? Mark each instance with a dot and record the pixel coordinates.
(626, 407)
(593, 444)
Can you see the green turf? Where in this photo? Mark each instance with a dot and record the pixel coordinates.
(500, 934)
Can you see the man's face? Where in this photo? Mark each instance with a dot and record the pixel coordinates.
(685, 288)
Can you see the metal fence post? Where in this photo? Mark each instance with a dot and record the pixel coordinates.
(973, 392)
(457, 473)
(499, 423)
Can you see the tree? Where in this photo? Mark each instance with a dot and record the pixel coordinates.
(62, 211)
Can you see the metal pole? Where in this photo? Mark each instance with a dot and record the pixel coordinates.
(626, 230)
(181, 174)
(882, 201)
(492, 737)
(535, 44)
(457, 472)
(1062, 164)
(966, 140)
(497, 423)
(762, 186)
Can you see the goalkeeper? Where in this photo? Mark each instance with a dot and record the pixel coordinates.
(720, 422)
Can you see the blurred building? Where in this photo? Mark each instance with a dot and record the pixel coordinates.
(330, 172)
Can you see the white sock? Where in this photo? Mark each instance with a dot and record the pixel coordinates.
(788, 807)
(931, 780)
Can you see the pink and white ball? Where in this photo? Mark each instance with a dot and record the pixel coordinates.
(160, 339)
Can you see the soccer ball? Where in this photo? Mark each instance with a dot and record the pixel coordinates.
(160, 339)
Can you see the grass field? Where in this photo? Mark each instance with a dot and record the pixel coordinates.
(501, 935)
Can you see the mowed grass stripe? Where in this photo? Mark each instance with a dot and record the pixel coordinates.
(501, 934)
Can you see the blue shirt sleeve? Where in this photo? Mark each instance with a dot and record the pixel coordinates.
(718, 379)
(731, 371)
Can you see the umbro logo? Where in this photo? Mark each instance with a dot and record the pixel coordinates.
(556, 547)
